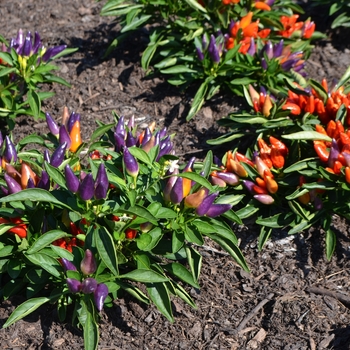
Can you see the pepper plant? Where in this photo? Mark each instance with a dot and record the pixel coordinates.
(25, 64)
(218, 45)
(81, 222)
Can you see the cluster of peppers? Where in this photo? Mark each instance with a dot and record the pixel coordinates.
(20, 228)
(26, 46)
(68, 134)
(18, 176)
(268, 157)
(126, 135)
(335, 154)
(86, 285)
(312, 102)
(178, 190)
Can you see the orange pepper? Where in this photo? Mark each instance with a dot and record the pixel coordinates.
(347, 174)
(75, 136)
(310, 105)
(271, 184)
(260, 182)
(26, 174)
(260, 5)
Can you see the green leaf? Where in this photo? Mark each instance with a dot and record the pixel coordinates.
(91, 334)
(193, 235)
(331, 240)
(140, 154)
(198, 100)
(56, 176)
(194, 260)
(34, 103)
(101, 131)
(196, 5)
(144, 276)
(106, 249)
(151, 240)
(307, 135)
(45, 240)
(25, 309)
(134, 291)
(159, 295)
(34, 195)
(231, 248)
(182, 273)
(140, 212)
(264, 235)
(178, 70)
(6, 71)
(225, 138)
(46, 262)
(136, 23)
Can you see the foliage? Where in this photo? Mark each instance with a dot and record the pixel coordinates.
(80, 223)
(339, 8)
(218, 45)
(25, 64)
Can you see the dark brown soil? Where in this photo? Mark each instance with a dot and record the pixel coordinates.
(293, 299)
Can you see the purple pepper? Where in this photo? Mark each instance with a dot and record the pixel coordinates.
(100, 295)
(333, 154)
(37, 42)
(44, 182)
(264, 64)
(71, 179)
(169, 185)
(74, 117)
(217, 181)
(131, 123)
(87, 188)
(217, 210)
(200, 54)
(88, 264)
(120, 127)
(74, 285)
(119, 142)
(287, 65)
(53, 51)
(89, 285)
(64, 136)
(130, 163)
(46, 156)
(264, 198)
(58, 155)
(252, 48)
(30, 183)
(206, 204)
(12, 185)
(204, 42)
(249, 185)
(130, 140)
(268, 49)
(53, 127)
(213, 50)
(1, 140)
(176, 193)
(27, 46)
(147, 136)
(101, 182)
(4, 190)
(278, 48)
(10, 153)
(68, 265)
(163, 132)
(19, 41)
(230, 178)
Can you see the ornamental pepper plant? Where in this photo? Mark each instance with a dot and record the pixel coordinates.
(218, 46)
(80, 222)
(25, 64)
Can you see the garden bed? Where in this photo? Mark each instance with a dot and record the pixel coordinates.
(293, 299)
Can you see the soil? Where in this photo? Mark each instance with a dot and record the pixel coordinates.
(293, 298)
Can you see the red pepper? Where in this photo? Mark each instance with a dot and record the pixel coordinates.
(259, 190)
(293, 108)
(310, 104)
(239, 157)
(324, 84)
(20, 229)
(130, 233)
(321, 150)
(331, 128)
(279, 145)
(277, 158)
(337, 167)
